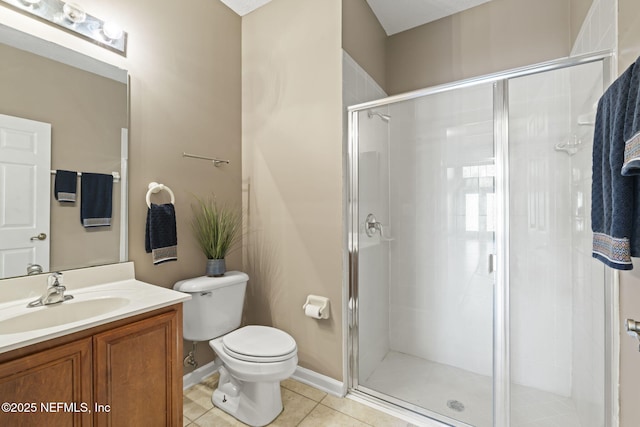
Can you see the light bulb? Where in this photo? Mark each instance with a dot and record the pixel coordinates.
(74, 13)
(112, 31)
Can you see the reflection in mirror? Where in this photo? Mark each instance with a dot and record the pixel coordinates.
(59, 110)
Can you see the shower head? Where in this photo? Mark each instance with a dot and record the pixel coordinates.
(385, 117)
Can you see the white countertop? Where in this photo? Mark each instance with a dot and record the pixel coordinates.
(92, 305)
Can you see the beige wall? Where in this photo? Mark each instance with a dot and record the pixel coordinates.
(494, 36)
(364, 39)
(185, 96)
(578, 12)
(629, 50)
(292, 169)
(478, 41)
(85, 137)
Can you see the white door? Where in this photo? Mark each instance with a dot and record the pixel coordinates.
(25, 181)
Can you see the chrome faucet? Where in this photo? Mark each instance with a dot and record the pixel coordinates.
(54, 294)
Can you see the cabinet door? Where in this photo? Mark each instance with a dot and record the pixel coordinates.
(49, 388)
(136, 373)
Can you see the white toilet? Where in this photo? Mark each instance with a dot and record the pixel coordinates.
(254, 358)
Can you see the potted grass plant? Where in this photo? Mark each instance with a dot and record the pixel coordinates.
(217, 229)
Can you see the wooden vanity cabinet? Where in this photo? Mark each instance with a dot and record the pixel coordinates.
(125, 373)
(33, 385)
(135, 370)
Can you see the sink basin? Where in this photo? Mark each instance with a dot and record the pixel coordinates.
(60, 314)
(101, 295)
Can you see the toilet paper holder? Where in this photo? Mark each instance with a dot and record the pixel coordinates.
(313, 302)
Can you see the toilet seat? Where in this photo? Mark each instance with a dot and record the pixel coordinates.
(261, 344)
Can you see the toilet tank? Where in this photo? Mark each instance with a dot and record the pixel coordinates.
(215, 307)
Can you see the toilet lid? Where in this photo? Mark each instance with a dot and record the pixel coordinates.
(259, 344)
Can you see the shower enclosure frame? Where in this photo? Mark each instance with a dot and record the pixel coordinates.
(501, 357)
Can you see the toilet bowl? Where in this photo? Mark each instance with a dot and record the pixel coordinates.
(254, 358)
(254, 361)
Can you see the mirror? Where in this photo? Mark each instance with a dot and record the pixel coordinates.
(85, 102)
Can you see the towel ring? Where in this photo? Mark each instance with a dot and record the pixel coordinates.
(154, 188)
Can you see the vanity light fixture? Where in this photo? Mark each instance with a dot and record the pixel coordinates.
(72, 17)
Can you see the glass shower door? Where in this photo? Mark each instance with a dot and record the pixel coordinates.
(557, 290)
(426, 228)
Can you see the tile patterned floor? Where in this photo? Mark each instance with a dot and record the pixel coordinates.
(304, 406)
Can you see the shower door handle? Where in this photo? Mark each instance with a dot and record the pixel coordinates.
(491, 267)
(633, 329)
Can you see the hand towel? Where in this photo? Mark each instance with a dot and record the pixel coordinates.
(65, 185)
(161, 237)
(615, 207)
(95, 201)
(631, 165)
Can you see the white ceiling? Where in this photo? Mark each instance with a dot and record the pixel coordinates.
(395, 16)
(242, 7)
(400, 15)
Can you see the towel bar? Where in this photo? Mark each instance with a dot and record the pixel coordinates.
(116, 175)
(154, 187)
(216, 162)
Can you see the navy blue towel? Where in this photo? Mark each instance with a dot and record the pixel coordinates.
(631, 165)
(65, 186)
(95, 201)
(615, 207)
(161, 237)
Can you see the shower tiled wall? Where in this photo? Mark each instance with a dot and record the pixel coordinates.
(540, 235)
(359, 87)
(557, 289)
(598, 33)
(441, 221)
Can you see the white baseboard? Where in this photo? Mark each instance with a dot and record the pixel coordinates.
(319, 381)
(197, 375)
(306, 376)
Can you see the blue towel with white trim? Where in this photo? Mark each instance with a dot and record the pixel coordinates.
(161, 237)
(65, 186)
(95, 199)
(615, 206)
(631, 164)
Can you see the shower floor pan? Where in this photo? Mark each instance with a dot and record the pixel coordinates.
(464, 395)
